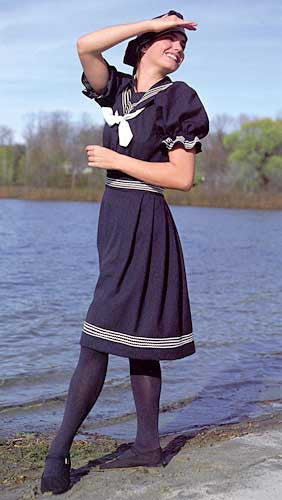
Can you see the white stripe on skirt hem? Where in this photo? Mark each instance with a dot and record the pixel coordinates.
(130, 340)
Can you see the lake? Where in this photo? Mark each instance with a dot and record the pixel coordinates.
(48, 270)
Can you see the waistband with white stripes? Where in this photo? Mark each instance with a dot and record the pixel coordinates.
(130, 184)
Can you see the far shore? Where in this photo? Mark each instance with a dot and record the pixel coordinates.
(197, 196)
(231, 461)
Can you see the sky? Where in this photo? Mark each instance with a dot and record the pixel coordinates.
(232, 60)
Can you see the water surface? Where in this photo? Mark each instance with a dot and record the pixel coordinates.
(48, 271)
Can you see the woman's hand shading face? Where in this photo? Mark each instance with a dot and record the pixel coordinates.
(171, 21)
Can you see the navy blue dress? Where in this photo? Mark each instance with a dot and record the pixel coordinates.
(140, 308)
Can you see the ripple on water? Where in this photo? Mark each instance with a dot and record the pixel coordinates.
(49, 266)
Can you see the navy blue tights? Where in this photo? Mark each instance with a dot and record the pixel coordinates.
(85, 387)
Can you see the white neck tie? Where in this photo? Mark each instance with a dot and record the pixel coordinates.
(124, 131)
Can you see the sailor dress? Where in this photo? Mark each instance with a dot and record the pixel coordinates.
(140, 307)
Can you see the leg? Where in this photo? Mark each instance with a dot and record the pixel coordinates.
(146, 386)
(85, 387)
(146, 382)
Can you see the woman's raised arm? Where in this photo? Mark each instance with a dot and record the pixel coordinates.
(91, 45)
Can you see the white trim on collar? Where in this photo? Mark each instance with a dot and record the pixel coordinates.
(128, 106)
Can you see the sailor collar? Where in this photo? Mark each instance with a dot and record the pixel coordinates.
(163, 81)
(145, 97)
(129, 109)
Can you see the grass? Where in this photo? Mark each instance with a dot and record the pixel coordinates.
(23, 455)
(198, 196)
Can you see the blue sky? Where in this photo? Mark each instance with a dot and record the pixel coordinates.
(233, 60)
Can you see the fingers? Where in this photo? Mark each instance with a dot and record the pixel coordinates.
(191, 25)
(90, 154)
(94, 158)
(92, 149)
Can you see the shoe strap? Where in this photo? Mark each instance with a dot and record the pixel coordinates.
(66, 458)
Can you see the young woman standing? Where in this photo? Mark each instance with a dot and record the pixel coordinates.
(140, 308)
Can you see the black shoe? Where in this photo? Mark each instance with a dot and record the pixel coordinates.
(134, 458)
(59, 480)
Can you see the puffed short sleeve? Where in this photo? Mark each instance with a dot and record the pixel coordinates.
(185, 121)
(108, 95)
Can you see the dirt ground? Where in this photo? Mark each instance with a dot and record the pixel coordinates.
(233, 462)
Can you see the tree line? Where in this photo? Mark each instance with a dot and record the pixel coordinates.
(243, 154)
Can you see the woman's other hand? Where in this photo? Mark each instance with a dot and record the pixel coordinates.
(171, 21)
(100, 157)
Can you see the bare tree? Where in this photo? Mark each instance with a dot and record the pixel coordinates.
(80, 135)
(46, 138)
(55, 148)
(6, 154)
(214, 160)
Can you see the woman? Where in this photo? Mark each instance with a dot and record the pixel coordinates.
(140, 307)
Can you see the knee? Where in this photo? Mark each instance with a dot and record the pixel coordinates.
(88, 355)
(145, 367)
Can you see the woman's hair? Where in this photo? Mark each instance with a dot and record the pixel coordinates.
(139, 55)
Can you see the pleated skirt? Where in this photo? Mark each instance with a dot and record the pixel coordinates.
(140, 307)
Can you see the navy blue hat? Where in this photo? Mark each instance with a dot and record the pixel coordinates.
(131, 53)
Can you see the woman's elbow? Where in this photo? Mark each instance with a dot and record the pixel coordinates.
(184, 164)
(189, 180)
(188, 186)
(79, 41)
(183, 184)
(82, 45)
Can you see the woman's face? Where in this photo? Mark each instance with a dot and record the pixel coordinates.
(165, 51)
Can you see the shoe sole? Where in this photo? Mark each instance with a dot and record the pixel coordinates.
(132, 466)
(46, 489)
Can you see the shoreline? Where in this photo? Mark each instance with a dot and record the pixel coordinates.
(23, 456)
(199, 196)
